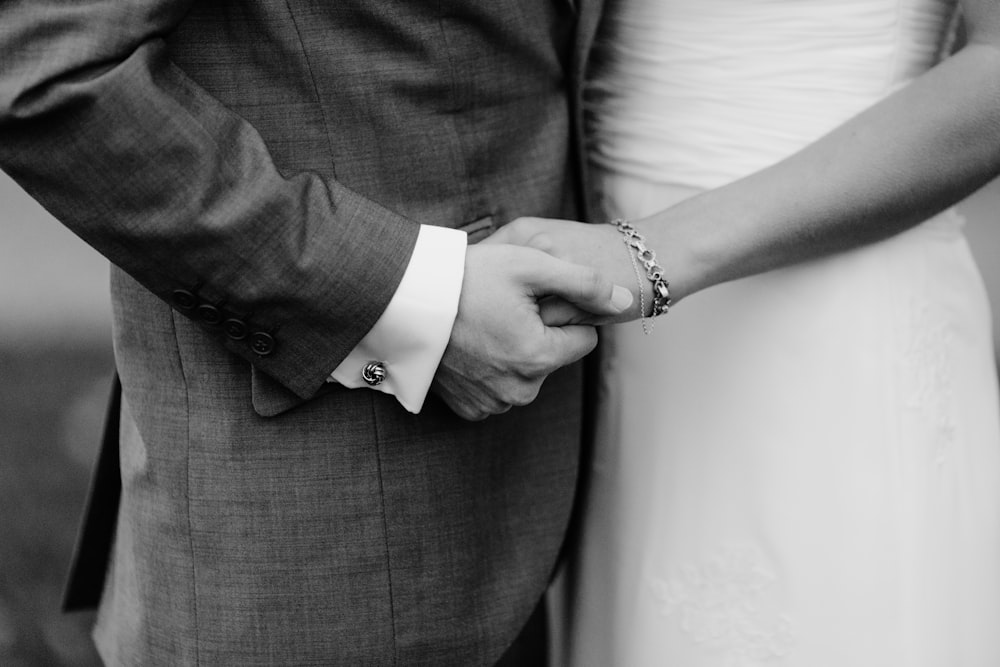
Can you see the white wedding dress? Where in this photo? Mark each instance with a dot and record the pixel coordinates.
(800, 468)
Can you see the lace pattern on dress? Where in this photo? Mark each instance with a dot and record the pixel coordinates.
(928, 376)
(722, 604)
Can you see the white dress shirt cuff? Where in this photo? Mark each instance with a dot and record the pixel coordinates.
(411, 335)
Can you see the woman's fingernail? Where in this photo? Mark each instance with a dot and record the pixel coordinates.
(621, 298)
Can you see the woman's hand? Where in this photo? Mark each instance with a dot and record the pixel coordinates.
(599, 246)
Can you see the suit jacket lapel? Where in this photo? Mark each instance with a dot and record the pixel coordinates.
(588, 18)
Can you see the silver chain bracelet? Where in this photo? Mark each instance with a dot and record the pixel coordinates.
(636, 242)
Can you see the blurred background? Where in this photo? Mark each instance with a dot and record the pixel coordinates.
(55, 371)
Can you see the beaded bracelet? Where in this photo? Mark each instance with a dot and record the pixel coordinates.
(635, 241)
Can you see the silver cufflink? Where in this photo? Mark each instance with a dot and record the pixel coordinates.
(374, 373)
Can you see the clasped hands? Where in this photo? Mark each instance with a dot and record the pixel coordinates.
(531, 298)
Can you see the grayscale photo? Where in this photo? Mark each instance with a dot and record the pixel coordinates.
(506, 333)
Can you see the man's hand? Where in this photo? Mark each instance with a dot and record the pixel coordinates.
(500, 350)
(600, 247)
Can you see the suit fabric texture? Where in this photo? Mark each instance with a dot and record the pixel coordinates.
(256, 172)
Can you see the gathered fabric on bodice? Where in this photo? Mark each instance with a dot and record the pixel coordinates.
(701, 92)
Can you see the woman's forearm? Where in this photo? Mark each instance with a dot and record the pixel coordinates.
(910, 156)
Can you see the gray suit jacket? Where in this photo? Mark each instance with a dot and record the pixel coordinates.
(255, 171)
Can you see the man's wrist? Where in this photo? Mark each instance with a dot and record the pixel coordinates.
(410, 337)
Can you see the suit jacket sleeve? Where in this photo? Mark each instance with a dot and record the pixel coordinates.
(116, 142)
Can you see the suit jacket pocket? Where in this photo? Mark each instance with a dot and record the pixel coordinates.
(271, 398)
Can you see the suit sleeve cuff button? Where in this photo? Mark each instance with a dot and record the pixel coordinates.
(236, 328)
(262, 343)
(209, 314)
(184, 300)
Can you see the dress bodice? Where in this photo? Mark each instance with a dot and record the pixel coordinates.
(700, 92)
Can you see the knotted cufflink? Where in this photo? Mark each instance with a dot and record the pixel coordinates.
(374, 373)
